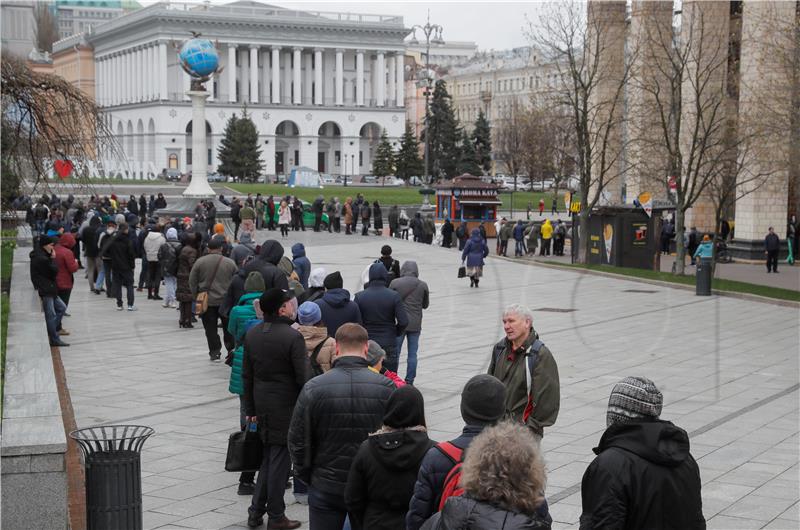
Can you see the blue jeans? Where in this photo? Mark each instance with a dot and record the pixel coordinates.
(54, 309)
(413, 347)
(171, 283)
(326, 511)
(519, 249)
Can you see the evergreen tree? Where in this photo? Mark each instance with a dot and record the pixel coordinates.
(444, 135)
(383, 163)
(482, 140)
(468, 160)
(239, 153)
(408, 161)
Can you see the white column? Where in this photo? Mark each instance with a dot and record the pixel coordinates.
(318, 76)
(199, 186)
(253, 70)
(390, 71)
(339, 76)
(264, 96)
(297, 98)
(122, 78)
(138, 75)
(99, 83)
(400, 75)
(231, 68)
(128, 76)
(163, 87)
(186, 84)
(360, 77)
(210, 87)
(114, 71)
(308, 80)
(287, 77)
(380, 75)
(276, 75)
(153, 68)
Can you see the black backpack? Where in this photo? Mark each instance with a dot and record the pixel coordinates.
(316, 369)
(168, 257)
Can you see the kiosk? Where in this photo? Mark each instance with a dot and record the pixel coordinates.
(468, 199)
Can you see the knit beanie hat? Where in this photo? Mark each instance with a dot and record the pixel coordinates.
(483, 400)
(634, 398)
(285, 265)
(317, 277)
(405, 408)
(308, 314)
(119, 218)
(374, 353)
(254, 283)
(333, 281)
(172, 234)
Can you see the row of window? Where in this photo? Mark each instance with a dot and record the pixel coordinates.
(240, 57)
(505, 85)
(337, 155)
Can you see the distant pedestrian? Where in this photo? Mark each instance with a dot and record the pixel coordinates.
(447, 233)
(403, 223)
(236, 209)
(186, 259)
(383, 313)
(394, 221)
(541, 207)
(348, 216)
(554, 208)
(337, 215)
(317, 208)
(547, 237)
(377, 218)
(416, 298)
(532, 235)
(519, 239)
(284, 218)
(691, 239)
(366, 213)
(391, 264)
(269, 212)
(772, 245)
(643, 467)
(429, 229)
(43, 272)
(152, 244)
(168, 261)
(123, 262)
(705, 249)
(302, 265)
(462, 235)
(67, 266)
(472, 257)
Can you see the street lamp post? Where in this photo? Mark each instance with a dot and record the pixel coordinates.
(433, 35)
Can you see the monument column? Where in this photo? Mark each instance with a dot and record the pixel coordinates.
(360, 78)
(318, 76)
(276, 76)
(231, 69)
(339, 76)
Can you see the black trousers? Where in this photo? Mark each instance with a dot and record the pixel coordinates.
(186, 313)
(210, 319)
(364, 228)
(392, 360)
(143, 274)
(271, 223)
(271, 483)
(317, 221)
(153, 277)
(337, 224)
(772, 260)
(123, 279)
(236, 229)
(545, 247)
(64, 294)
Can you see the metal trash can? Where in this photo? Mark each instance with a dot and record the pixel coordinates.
(112, 459)
(703, 277)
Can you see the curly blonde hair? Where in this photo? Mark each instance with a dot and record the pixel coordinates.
(504, 466)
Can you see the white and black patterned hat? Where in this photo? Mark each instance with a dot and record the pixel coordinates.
(634, 398)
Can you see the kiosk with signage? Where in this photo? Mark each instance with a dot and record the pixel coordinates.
(468, 199)
(625, 236)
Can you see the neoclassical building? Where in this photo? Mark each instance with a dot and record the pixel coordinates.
(320, 86)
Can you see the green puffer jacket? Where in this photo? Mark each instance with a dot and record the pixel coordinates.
(237, 320)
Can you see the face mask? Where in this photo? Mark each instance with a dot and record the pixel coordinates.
(109, 230)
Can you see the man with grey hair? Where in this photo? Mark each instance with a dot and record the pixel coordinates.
(528, 370)
(643, 467)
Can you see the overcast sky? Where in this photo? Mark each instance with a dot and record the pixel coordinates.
(492, 25)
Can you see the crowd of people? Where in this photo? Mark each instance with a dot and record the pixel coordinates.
(316, 370)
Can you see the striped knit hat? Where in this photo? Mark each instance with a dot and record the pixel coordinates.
(633, 398)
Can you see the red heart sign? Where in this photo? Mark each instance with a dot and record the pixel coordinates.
(64, 168)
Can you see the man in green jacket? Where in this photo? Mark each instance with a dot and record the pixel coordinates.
(505, 234)
(533, 401)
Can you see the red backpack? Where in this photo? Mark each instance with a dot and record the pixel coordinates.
(452, 482)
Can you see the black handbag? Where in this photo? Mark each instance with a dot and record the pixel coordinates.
(244, 451)
(462, 272)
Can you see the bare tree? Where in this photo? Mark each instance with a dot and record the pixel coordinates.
(44, 27)
(592, 70)
(550, 152)
(510, 141)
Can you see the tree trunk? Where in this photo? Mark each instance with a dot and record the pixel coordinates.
(583, 239)
(680, 249)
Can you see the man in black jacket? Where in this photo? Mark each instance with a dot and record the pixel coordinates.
(772, 245)
(236, 208)
(43, 276)
(643, 475)
(335, 412)
(122, 255)
(274, 369)
(481, 405)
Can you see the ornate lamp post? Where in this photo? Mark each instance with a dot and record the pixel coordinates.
(433, 35)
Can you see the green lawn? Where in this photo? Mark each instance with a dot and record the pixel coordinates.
(717, 284)
(6, 265)
(389, 195)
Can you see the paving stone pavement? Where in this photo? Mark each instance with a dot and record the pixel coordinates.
(728, 370)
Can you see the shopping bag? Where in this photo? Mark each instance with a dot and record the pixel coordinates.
(462, 272)
(244, 451)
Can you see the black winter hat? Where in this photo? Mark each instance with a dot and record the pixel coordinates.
(483, 400)
(273, 299)
(386, 250)
(333, 281)
(405, 408)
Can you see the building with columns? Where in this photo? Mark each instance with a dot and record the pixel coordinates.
(319, 86)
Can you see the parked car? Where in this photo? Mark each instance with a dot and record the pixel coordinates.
(416, 181)
(216, 177)
(327, 179)
(389, 181)
(172, 175)
(308, 216)
(369, 179)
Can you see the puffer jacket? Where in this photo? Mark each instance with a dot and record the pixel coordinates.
(414, 293)
(382, 478)
(65, 259)
(338, 309)
(547, 229)
(153, 242)
(382, 311)
(43, 272)
(465, 513)
(643, 477)
(313, 335)
(238, 318)
(302, 266)
(335, 412)
(186, 260)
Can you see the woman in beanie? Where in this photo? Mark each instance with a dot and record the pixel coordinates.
(503, 478)
(384, 471)
(321, 348)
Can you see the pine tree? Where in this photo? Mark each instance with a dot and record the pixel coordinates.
(444, 135)
(408, 162)
(482, 140)
(468, 160)
(239, 152)
(383, 163)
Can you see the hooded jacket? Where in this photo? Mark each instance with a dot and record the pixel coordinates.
(237, 326)
(43, 272)
(266, 263)
(643, 477)
(338, 309)
(382, 311)
(301, 263)
(547, 230)
(66, 262)
(313, 336)
(245, 248)
(466, 513)
(121, 253)
(475, 250)
(382, 478)
(414, 293)
(153, 242)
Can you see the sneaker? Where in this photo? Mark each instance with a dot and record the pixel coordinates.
(119, 308)
(63, 331)
(59, 344)
(246, 488)
(165, 305)
(67, 315)
(284, 523)
(156, 297)
(215, 355)
(132, 308)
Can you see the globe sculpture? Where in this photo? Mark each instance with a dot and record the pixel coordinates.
(199, 59)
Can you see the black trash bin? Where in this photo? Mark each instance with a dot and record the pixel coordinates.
(703, 278)
(112, 459)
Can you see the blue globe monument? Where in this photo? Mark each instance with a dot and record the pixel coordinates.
(199, 59)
